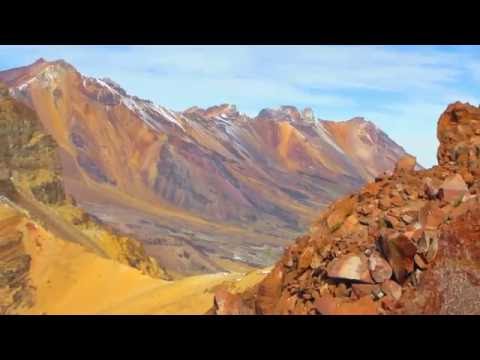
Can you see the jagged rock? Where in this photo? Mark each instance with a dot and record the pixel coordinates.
(350, 267)
(399, 251)
(380, 269)
(420, 262)
(432, 248)
(430, 188)
(391, 221)
(408, 219)
(453, 188)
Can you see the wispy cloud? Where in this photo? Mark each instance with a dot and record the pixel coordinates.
(402, 88)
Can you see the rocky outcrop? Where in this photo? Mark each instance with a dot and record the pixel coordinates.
(27, 153)
(404, 244)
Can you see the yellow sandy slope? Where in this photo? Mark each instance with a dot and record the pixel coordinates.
(68, 279)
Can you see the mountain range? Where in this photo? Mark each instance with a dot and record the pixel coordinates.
(203, 190)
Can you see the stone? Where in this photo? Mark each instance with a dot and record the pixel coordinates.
(365, 209)
(306, 258)
(393, 289)
(361, 290)
(365, 220)
(397, 201)
(384, 203)
(391, 221)
(350, 225)
(432, 248)
(380, 269)
(342, 291)
(378, 293)
(371, 189)
(416, 277)
(350, 267)
(406, 163)
(430, 190)
(453, 188)
(407, 219)
(341, 211)
(431, 217)
(420, 262)
(423, 245)
(395, 247)
(406, 246)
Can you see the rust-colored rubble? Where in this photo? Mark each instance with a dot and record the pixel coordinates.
(408, 243)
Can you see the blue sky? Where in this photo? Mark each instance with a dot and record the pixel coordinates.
(402, 89)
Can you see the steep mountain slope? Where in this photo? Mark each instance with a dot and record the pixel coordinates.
(31, 178)
(407, 243)
(203, 186)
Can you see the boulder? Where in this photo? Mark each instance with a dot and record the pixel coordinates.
(380, 269)
(453, 189)
(350, 267)
(399, 251)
